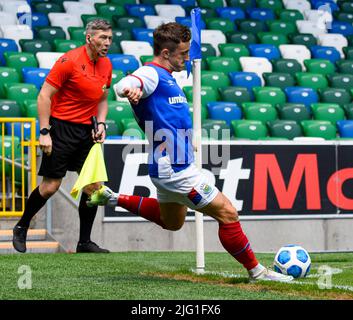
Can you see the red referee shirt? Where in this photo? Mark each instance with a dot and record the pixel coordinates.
(81, 84)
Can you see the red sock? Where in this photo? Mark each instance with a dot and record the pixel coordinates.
(237, 244)
(147, 208)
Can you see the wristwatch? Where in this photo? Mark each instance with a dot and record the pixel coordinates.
(44, 131)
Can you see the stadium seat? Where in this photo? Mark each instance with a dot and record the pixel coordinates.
(318, 16)
(8, 18)
(117, 75)
(348, 109)
(345, 66)
(136, 48)
(282, 27)
(284, 128)
(347, 6)
(20, 92)
(345, 128)
(271, 95)
(345, 17)
(214, 79)
(244, 38)
(267, 51)
(249, 129)
(140, 10)
(255, 64)
(33, 19)
(295, 51)
(293, 111)
(204, 112)
(301, 6)
(85, 18)
(7, 75)
(262, 14)
(213, 37)
(322, 66)
(10, 144)
(221, 24)
(231, 13)
(226, 111)
(259, 111)
(278, 79)
(233, 50)
(49, 33)
(62, 45)
(237, 95)
(311, 27)
(143, 34)
(35, 45)
(153, 22)
(30, 108)
(207, 50)
(118, 110)
(64, 20)
(128, 22)
(213, 4)
(327, 111)
(183, 3)
(170, 11)
(335, 95)
(123, 62)
(286, 66)
(109, 9)
(245, 79)
(275, 5)
(323, 52)
(215, 130)
(335, 40)
(7, 45)
(243, 4)
(47, 60)
(182, 78)
(9, 108)
(348, 52)
(16, 32)
(121, 34)
(344, 28)
(186, 21)
(35, 76)
(131, 128)
(272, 38)
(301, 95)
(305, 39)
(311, 80)
(223, 64)
(18, 60)
(317, 128)
(208, 94)
(250, 26)
(43, 7)
(112, 128)
(78, 8)
(340, 80)
(291, 15)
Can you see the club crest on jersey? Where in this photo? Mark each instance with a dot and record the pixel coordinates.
(104, 88)
(206, 189)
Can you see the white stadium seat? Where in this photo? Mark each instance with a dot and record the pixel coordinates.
(320, 16)
(77, 8)
(153, 22)
(213, 37)
(256, 64)
(170, 10)
(295, 51)
(15, 6)
(64, 20)
(182, 78)
(311, 27)
(47, 59)
(16, 32)
(92, 2)
(336, 40)
(7, 18)
(136, 48)
(300, 5)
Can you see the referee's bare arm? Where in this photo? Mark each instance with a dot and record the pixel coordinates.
(101, 116)
(44, 104)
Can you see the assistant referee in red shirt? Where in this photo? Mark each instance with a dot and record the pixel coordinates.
(75, 89)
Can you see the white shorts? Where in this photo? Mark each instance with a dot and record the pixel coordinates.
(189, 187)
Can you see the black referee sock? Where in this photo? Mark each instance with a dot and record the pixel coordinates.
(34, 203)
(87, 216)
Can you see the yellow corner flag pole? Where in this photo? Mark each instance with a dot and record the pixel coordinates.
(93, 170)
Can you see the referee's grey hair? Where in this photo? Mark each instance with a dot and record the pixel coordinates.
(97, 24)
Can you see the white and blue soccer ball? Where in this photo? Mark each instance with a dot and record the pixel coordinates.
(292, 260)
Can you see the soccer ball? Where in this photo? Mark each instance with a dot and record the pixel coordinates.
(292, 260)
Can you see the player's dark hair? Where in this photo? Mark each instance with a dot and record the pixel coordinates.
(168, 36)
(97, 24)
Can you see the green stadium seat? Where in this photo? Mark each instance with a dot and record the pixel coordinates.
(109, 9)
(238, 95)
(225, 25)
(241, 38)
(270, 4)
(282, 27)
(7, 75)
(243, 4)
(288, 129)
(47, 7)
(345, 66)
(9, 108)
(251, 26)
(286, 66)
(341, 80)
(348, 52)
(111, 95)
(153, 2)
(115, 48)
(207, 50)
(120, 35)
(278, 79)
(272, 95)
(215, 130)
(249, 129)
(118, 2)
(293, 111)
(118, 110)
(18, 60)
(321, 66)
(208, 94)
(20, 92)
(223, 64)
(344, 17)
(327, 111)
(30, 108)
(306, 39)
(112, 129)
(204, 112)
(347, 6)
(290, 15)
(127, 22)
(10, 144)
(259, 111)
(205, 12)
(89, 17)
(50, 33)
(214, 79)
(145, 59)
(311, 80)
(66, 45)
(233, 50)
(212, 4)
(77, 33)
(272, 38)
(131, 128)
(335, 95)
(348, 109)
(317, 128)
(35, 45)
(117, 75)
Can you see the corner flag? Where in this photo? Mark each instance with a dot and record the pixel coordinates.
(195, 47)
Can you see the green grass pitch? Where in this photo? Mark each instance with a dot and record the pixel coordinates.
(165, 276)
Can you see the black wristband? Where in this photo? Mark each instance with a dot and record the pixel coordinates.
(103, 123)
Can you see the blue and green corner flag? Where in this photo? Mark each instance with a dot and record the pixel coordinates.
(195, 47)
(93, 170)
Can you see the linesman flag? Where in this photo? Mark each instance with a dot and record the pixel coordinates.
(93, 170)
(195, 47)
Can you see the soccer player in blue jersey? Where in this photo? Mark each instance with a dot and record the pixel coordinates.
(162, 111)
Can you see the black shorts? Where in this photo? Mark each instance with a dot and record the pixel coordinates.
(71, 145)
